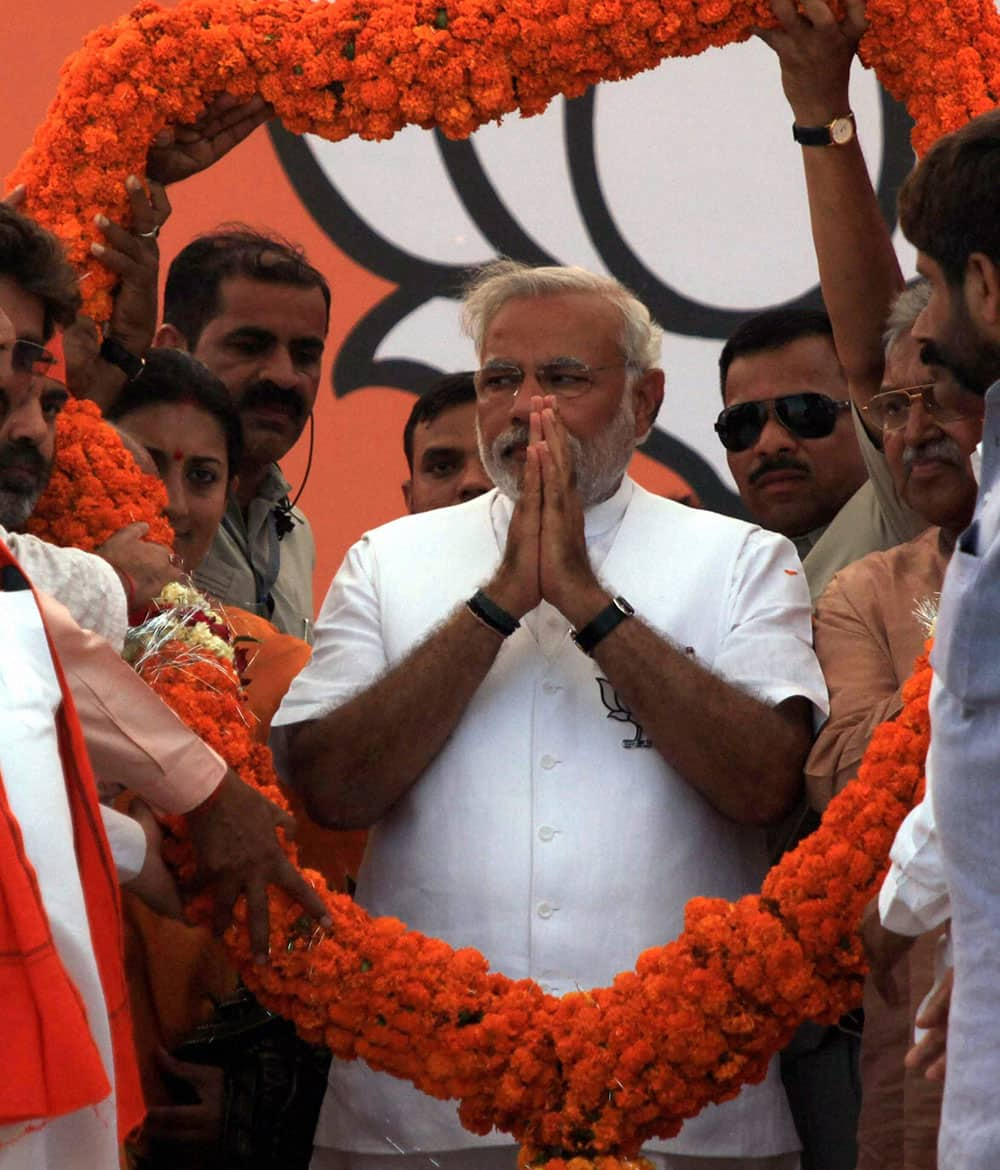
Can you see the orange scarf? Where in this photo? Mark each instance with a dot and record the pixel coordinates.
(51, 1064)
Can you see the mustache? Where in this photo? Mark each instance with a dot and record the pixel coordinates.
(778, 463)
(271, 394)
(945, 449)
(516, 435)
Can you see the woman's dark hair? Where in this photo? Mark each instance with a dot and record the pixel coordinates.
(172, 376)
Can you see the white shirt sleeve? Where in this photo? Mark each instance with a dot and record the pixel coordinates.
(85, 584)
(914, 896)
(127, 841)
(348, 651)
(766, 646)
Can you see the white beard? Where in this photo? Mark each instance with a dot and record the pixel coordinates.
(598, 462)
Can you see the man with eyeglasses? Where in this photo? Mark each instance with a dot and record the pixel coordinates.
(868, 631)
(564, 708)
(868, 635)
(38, 292)
(949, 210)
(69, 708)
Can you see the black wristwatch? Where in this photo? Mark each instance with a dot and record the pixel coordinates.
(836, 133)
(115, 354)
(598, 628)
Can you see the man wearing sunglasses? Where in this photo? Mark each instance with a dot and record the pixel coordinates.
(786, 425)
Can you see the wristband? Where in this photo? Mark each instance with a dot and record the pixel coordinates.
(492, 615)
(598, 628)
(115, 354)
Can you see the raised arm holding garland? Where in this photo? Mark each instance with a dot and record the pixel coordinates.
(858, 268)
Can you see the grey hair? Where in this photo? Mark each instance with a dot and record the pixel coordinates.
(906, 308)
(503, 280)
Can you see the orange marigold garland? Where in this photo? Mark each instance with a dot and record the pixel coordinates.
(584, 1080)
(95, 488)
(370, 67)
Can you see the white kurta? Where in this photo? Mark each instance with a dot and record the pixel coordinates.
(965, 760)
(914, 896)
(86, 584)
(36, 791)
(541, 834)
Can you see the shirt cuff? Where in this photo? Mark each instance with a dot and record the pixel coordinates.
(127, 841)
(911, 907)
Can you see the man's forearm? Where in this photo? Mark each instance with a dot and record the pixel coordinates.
(354, 763)
(742, 755)
(131, 734)
(858, 269)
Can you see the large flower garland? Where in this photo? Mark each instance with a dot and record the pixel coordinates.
(584, 1080)
(370, 67)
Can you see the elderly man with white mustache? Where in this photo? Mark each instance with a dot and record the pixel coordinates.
(552, 771)
(868, 634)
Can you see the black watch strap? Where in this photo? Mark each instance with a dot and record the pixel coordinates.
(115, 354)
(836, 133)
(492, 615)
(598, 628)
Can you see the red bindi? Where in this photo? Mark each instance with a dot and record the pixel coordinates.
(178, 456)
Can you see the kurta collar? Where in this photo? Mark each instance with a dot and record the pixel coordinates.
(598, 521)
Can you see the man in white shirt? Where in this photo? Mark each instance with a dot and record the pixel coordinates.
(70, 1065)
(502, 744)
(950, 208)
(38, 292)
(130, 733)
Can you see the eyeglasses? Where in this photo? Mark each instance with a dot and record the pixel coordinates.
(28, 357)
(890, 410)
(806, 416)
(564, 379)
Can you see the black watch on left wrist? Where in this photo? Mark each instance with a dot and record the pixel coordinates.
(838, 132)
(115, 354)
(598, 628)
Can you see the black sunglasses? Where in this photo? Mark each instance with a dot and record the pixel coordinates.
(806, 416)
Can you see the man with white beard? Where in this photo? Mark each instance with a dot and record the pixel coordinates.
(537, 755)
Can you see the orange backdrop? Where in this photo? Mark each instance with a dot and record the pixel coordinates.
(358, 463)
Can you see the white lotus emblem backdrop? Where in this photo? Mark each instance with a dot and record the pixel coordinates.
(684, 183)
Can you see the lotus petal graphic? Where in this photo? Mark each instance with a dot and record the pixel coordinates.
(621, 714)
(683, 182)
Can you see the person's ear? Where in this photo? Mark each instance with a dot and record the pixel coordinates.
(647, 395)
(982, 291)
(407, 489)
(169, 337)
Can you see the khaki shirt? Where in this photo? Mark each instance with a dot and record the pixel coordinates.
(873, 519)
(248, 566)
